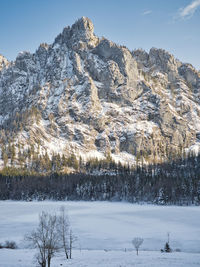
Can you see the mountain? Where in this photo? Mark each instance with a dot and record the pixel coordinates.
(91, 97)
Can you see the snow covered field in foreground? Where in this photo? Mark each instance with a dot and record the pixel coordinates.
(109, 226)
(94, 258)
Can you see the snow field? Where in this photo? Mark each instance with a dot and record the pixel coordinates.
(101, 258)
(105, 231)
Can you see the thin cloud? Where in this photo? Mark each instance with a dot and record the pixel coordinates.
(188, 11)
(147, 12)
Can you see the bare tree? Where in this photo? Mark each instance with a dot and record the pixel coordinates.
(72, 239)
(45, 239)
(137, 242)
(65, 233)
(63, 229)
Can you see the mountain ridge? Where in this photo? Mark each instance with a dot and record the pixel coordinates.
(91, 97)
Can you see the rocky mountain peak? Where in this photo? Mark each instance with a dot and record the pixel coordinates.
(84, 25)
(162, 58)
(82, 31)
(90, 96)
(159, 59)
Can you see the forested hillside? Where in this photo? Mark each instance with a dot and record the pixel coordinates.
(173, 182)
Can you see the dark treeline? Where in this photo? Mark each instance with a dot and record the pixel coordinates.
(175, 182)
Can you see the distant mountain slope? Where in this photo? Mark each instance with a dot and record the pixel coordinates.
(91, 97)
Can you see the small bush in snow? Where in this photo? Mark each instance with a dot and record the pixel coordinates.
(10, 244)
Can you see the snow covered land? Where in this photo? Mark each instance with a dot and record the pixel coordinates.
(99, 258)
(105, 231)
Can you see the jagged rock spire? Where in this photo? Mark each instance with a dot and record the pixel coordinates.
(84, 25)
(81, 31)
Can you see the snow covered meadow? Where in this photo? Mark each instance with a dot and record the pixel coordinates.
(105, 231)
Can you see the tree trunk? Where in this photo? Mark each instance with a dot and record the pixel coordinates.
(66, 253)
(70, 244)
(70, 252)
(49, 261)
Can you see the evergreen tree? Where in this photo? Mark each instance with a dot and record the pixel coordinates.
(13, 153)
(167, 247)
(4, 155)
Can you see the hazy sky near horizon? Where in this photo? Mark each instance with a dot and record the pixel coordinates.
(173, 25)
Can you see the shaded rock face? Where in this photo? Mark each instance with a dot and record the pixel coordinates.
(95, 97)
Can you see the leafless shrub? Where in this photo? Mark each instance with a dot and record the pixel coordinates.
(137, 242)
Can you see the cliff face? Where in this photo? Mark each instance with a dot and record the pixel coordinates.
(90, 96)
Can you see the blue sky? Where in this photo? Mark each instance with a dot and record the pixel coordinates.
(170, 24)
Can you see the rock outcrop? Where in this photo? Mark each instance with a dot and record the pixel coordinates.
(3, 62)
